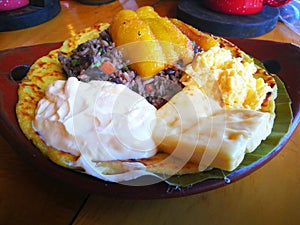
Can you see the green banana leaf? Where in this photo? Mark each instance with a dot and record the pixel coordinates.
(281, 126)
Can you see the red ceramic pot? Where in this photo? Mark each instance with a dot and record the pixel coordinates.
(6, 5)
(242, 7)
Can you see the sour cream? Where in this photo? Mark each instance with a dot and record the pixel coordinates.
(98, 120)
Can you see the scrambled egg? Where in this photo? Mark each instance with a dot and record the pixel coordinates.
(237, 87)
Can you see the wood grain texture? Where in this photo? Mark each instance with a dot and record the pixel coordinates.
(29, 197)
(75, 16)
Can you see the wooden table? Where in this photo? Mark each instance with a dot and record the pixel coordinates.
(270, 195)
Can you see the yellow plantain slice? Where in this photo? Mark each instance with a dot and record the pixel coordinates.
(138, 44)
(175, 44)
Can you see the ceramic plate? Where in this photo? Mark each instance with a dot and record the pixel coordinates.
(282, 58)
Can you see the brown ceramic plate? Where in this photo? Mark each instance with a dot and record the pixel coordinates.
(283, 58)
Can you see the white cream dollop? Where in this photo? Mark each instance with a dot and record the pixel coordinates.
(100, 120)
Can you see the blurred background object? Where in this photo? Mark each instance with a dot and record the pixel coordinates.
(95, 2)
(244, 25)
(32, 14)
(6, 5)
(290, 15)
(242, 7)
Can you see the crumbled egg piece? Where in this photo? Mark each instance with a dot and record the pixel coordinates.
(238, 87)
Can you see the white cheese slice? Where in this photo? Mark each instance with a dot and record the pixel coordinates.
(210, 136)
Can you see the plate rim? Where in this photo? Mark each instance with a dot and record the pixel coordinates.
(157, 191)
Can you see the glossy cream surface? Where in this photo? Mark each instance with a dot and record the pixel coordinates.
(100, 120)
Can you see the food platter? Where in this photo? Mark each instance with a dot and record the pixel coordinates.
(282, 57)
